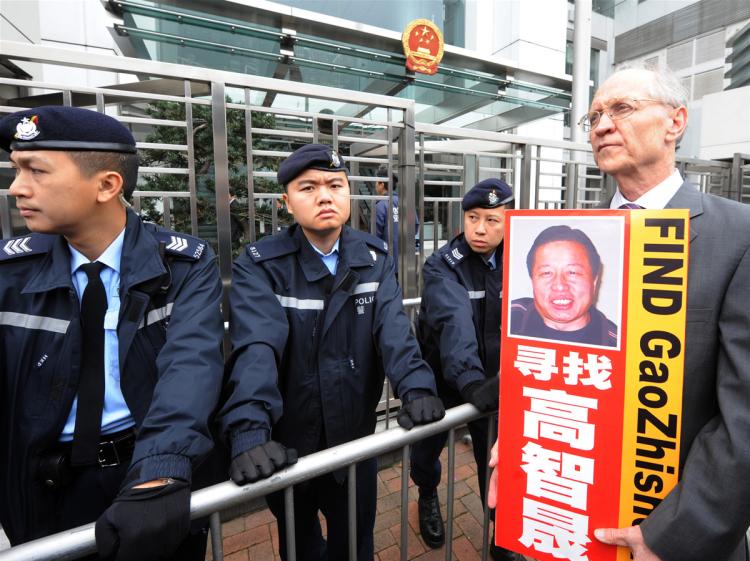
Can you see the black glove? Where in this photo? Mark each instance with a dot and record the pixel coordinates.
(260, 462)
(483, 395)
(145, 524)
(420, 411)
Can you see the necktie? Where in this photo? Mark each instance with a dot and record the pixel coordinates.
(630, 206)
(91, 382)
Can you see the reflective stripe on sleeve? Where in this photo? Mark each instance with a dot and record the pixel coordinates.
(476, 294)
(28, 321)
(291, 302)
(158, 314)
(366, 287)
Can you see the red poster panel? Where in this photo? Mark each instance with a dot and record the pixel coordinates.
(571, 371)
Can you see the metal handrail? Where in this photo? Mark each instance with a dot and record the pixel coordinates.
(80, 541)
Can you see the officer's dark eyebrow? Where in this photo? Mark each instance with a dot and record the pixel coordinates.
(27, 159)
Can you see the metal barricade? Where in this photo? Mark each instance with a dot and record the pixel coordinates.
(78, 542)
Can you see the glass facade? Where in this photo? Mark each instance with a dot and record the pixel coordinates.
(170, 34)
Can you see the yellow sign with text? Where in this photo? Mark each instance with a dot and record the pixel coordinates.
(656, 308)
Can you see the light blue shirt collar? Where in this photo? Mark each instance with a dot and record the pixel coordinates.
(491, 261)
(330, 259)
(111, 256)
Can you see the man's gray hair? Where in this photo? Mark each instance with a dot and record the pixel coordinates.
(666, 85)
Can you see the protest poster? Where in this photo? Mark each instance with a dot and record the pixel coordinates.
(592, 360)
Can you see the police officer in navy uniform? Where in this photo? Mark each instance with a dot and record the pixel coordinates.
(317, 319)
(110, 334)
(459, 333)
(565, 271)
(381, 213)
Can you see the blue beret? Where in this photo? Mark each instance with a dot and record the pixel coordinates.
(490, 193)
(64, 128)
(309, 156)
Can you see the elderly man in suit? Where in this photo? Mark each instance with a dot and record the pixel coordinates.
(635, 122)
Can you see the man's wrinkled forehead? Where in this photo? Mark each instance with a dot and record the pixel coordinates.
(626, 84)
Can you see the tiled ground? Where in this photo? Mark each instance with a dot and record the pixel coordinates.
(254, 537)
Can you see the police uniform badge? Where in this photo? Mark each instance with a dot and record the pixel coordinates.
(27, 129)
(492, 198)
(335, 161)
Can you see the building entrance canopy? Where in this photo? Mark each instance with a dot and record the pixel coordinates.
(271, 40)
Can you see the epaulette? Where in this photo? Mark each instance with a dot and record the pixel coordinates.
(372, 241)
(180, 245)
(25, 246)
(453, 256)
(271, 247)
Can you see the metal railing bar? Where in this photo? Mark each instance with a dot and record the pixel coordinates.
(167, 212)
(442, 132)
(173, 171)
(278, 132)
(352, 511)
(80, 541)
(267, 195)
(451, 494)
(405, 458)
(217, 540)
(94, 90)
(161, 194)
(150, 121)
(561, 161)
(491, 424)
(368, 160)
(158, 146)
(365, 178)
(387, 391)
(435, 223)
(363, 140)
(494, 154)
(268, 174)
(291, 536)
(192, 184)
(308, 116)
(497, 170)
(443, 199)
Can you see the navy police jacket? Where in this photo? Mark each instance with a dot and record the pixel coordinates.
(457, 295)
(169, 333)
(381, 221)
(310, 350)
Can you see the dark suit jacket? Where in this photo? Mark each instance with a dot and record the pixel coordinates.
(706, 516)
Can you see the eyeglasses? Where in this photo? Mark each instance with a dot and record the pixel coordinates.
(620, 109)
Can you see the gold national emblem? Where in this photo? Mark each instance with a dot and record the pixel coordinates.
(423, 46)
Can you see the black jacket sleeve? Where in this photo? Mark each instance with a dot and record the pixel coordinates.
(402, 360)
(258, 331)
(175, 430)
(447, 312)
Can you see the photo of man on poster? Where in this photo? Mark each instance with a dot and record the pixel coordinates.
(565, 270)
